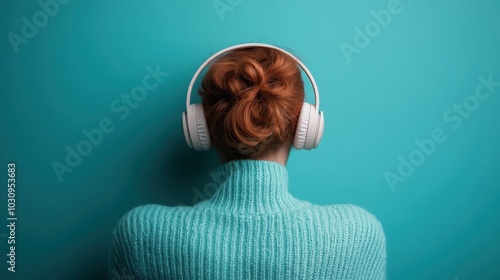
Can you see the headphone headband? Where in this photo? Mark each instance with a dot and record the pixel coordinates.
(245, 45)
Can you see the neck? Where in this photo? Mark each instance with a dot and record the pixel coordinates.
(251, 186)
(280, 155)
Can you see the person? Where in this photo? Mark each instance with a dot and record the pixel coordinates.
(252, 227)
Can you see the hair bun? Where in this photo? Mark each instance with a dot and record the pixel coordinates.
(252, 98)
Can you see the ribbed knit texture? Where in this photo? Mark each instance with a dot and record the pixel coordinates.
(251, 228)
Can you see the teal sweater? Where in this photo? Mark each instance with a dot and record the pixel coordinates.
(251, 228)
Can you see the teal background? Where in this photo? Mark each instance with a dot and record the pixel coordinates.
(441, 222)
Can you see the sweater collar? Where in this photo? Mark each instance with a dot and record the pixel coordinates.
(251, 186)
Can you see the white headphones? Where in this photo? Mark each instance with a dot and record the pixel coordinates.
(309, 128)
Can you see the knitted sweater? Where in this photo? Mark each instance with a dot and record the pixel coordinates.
(251, 228)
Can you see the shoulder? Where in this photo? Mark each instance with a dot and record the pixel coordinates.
(357, 221)
(141, 212)
(138, 219)
(352, 214)
(131, 235)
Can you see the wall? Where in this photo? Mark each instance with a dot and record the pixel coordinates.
(409, 90)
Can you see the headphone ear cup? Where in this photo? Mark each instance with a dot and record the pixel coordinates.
(201, 123)
(309, 128)
(197, 129)
(321, 128)
(312, 129)
(185, 128)
(302, 126)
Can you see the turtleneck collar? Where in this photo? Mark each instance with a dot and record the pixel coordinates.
(251, 186)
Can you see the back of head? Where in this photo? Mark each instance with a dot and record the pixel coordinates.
(252, 99)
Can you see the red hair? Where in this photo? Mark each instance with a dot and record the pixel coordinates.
(252, 99)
